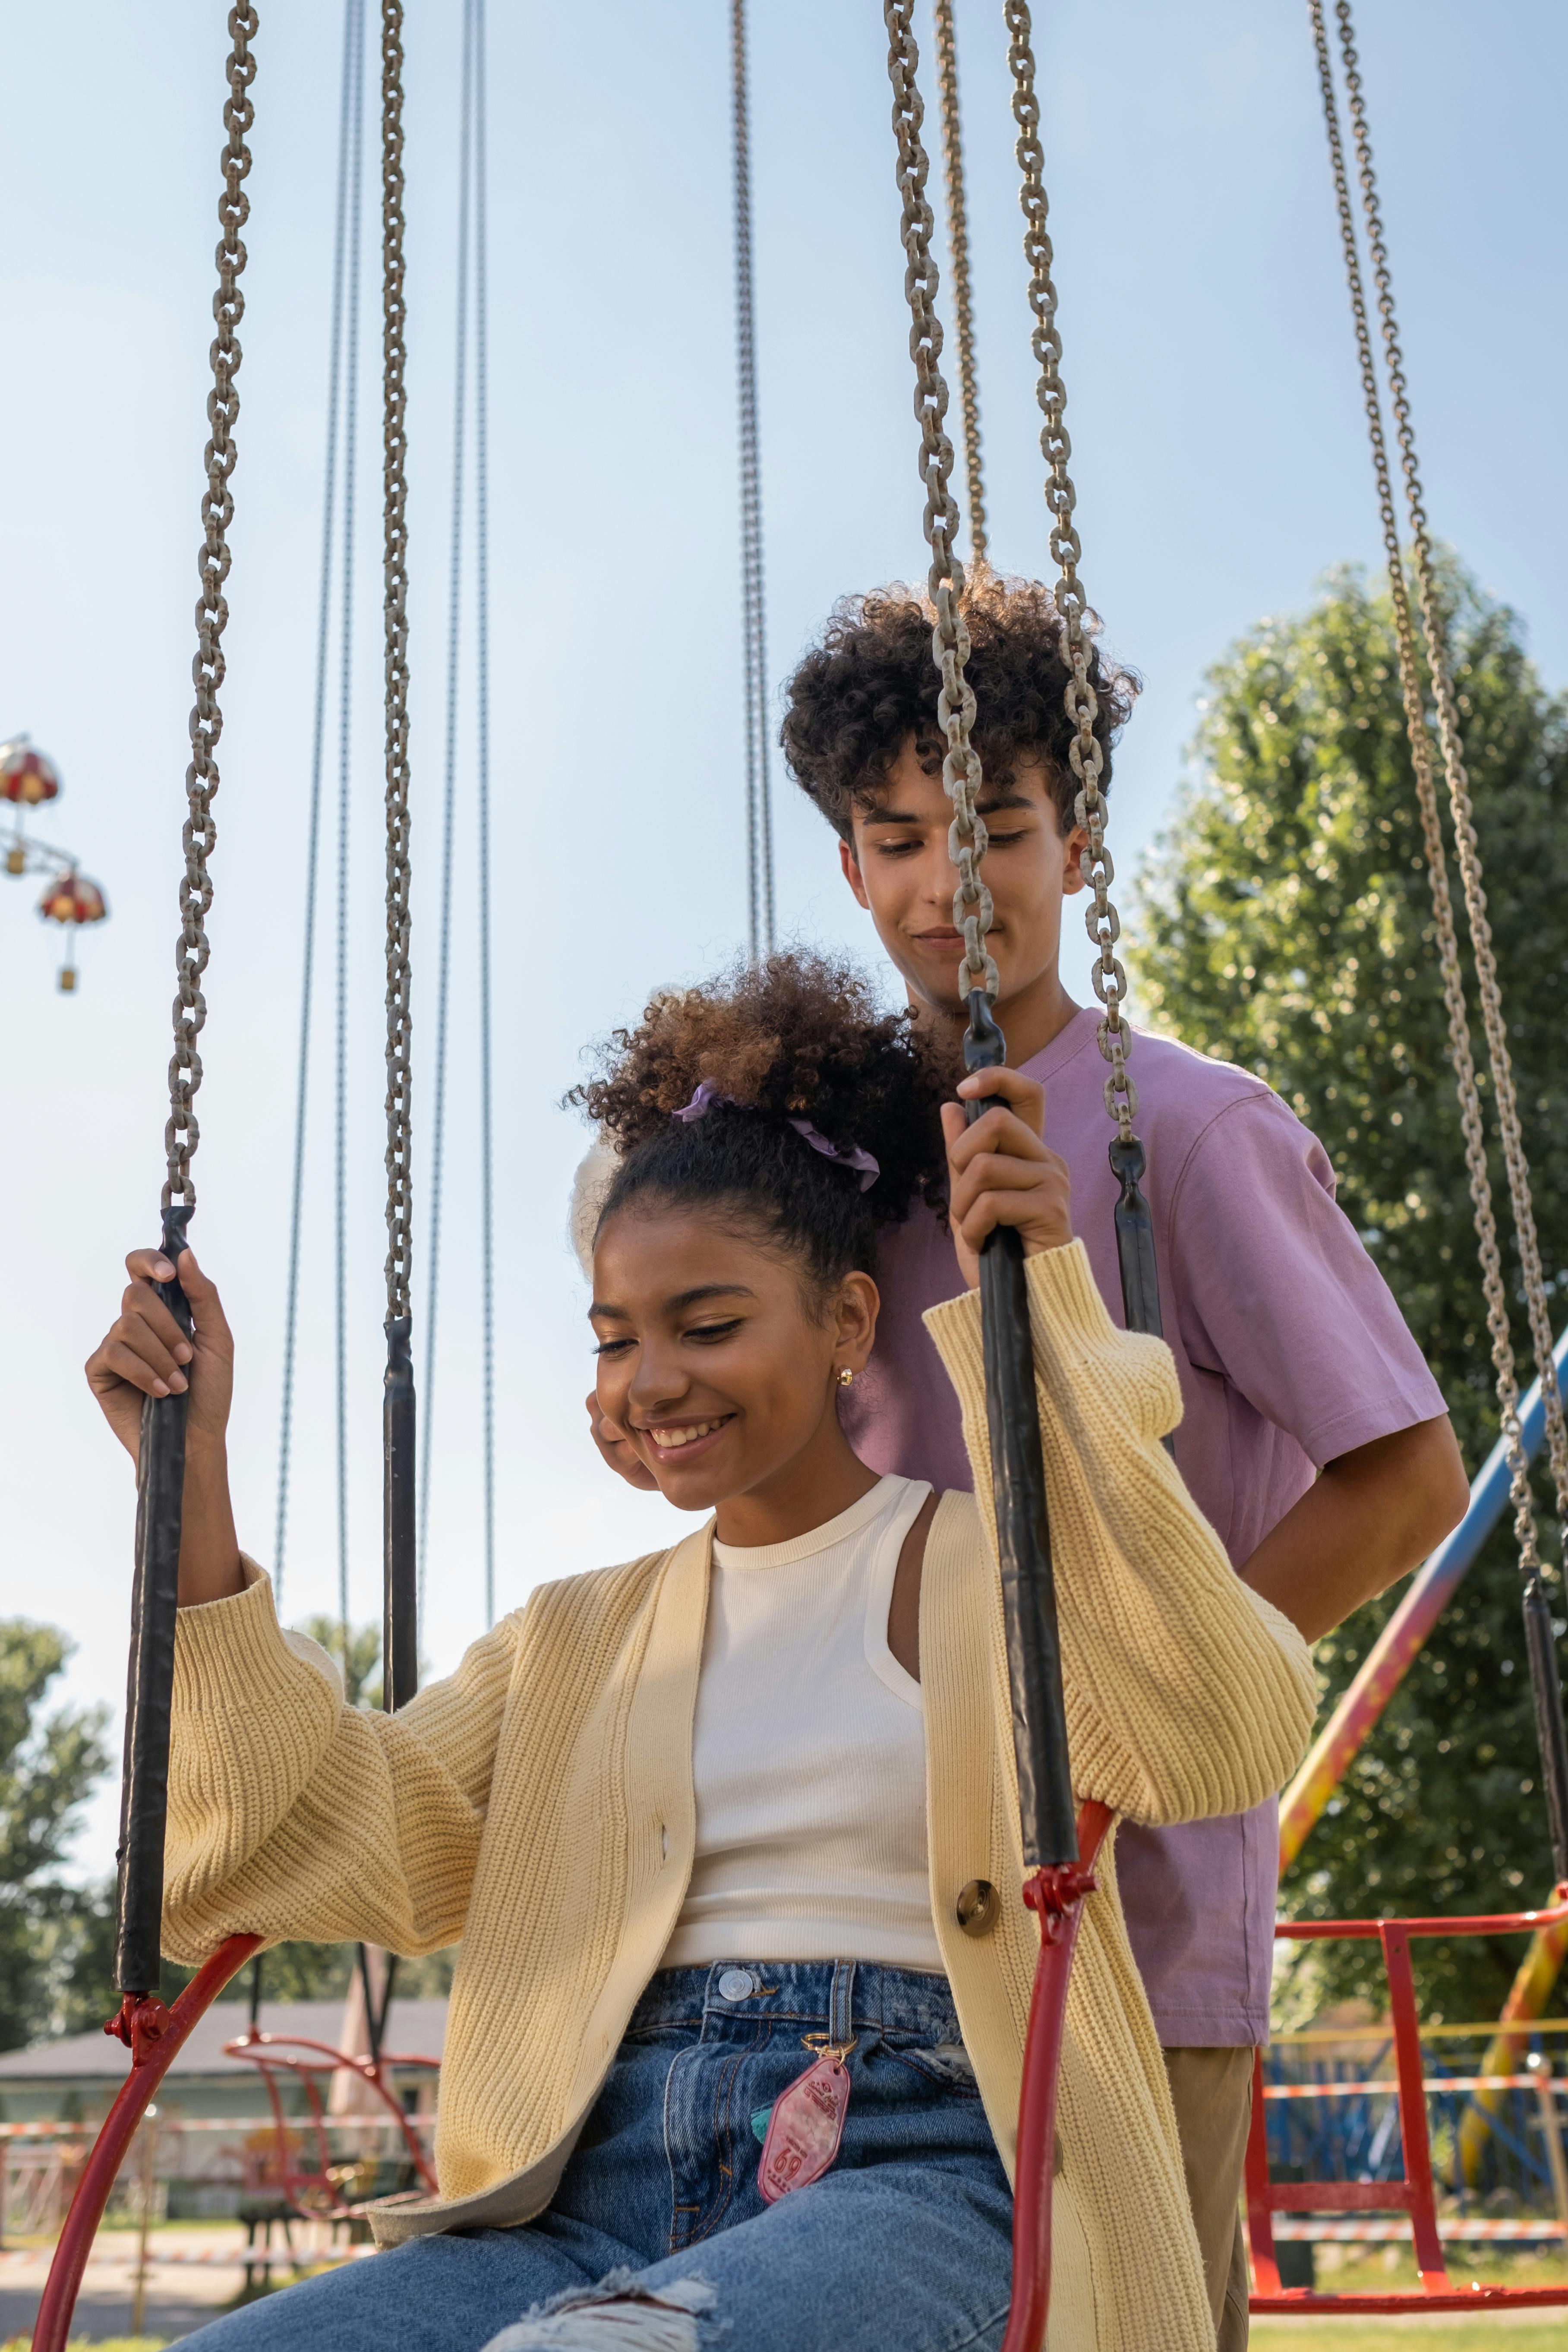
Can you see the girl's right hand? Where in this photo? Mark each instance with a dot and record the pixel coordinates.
(145, 1353)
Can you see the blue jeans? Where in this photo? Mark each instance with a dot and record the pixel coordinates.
(658, 2241)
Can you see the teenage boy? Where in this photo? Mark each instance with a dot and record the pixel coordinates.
(1313, 1436)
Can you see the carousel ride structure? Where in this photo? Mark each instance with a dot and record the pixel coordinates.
(30, 780)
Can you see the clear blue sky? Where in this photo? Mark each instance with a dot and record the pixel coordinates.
(1220, 464)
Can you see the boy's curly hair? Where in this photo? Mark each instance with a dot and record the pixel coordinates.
(797, 1036)
(856, 698)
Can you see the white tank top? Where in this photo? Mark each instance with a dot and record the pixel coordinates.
(809, 1754)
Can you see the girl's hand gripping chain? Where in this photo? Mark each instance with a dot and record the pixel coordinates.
(1000, 1171)
(144, 1353)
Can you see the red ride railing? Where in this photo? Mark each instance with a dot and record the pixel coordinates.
(150, 2061)
(1057, 1896)
(280, 2054)
(1415, 2194)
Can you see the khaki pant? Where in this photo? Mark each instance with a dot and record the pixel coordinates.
(1212, 2091)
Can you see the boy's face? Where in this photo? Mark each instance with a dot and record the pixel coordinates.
(899, 868)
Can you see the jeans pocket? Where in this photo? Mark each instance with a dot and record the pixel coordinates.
(946, 2064)
(661, 2033)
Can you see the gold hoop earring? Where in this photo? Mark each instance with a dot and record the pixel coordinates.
(845, 1376)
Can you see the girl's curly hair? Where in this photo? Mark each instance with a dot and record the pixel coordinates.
(856, 698)
(794, 1037)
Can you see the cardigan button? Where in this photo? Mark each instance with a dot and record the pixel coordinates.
(979, 1908)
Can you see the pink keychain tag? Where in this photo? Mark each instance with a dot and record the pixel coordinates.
(806, 2126)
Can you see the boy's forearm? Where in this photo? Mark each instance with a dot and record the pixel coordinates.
(1367, 1520)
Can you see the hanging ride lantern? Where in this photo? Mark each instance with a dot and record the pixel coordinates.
(26, 776)
(27, 781)
(73, 900)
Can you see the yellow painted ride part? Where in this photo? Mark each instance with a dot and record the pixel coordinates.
(1526, 1999)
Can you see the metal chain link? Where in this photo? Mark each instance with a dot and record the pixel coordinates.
(966, 837)
(1086, 759)
(958, 246)
(1459, 1051)
(399, 1203)
(182, 1134)
(1467, 847)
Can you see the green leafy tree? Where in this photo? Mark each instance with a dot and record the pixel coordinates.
(48, 1765)
(57, 1942)
(357, 1650)
(1284, 923)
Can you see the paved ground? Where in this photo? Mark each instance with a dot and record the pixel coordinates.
(194, 2274)
(200, 2272)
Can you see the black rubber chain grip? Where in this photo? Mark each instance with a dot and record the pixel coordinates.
(1135, 1248)
(1023, 1528)
(150, 1678)
(1546, 1689)
(400, 1626)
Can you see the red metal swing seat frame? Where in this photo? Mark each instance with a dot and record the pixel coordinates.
(1055, 1895)
(1415, 2194)
(318, 2192)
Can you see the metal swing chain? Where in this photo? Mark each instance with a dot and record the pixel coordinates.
(400, 1604)
(1467, 847)
(1459, 1049)
(759, 786)
(399, 1205)
(1084, 753)
(182, 1134)
(1055, 1879)
(958, 248)
(966, 837)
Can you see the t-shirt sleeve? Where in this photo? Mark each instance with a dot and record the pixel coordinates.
(1277, 1294)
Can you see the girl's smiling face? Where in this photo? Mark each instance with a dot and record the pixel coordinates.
(722, 1362)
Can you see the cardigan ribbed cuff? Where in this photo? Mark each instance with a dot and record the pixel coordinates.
(1061, 1287)
(233, 1653)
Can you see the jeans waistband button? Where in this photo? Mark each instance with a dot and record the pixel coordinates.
(737, 1984)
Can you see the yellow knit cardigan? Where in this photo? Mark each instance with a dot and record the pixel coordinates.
(539, 1804)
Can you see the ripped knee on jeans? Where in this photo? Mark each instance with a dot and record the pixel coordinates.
(619, 2314)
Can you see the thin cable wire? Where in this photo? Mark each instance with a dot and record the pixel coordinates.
(352, 11)
(483, 600)
(759, 785)
(449, 782)
(345, 738)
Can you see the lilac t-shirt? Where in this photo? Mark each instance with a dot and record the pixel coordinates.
(1290, 1351)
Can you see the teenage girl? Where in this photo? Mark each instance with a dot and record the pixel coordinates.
(730, 1834)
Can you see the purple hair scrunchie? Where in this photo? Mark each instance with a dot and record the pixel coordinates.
(859, 1163)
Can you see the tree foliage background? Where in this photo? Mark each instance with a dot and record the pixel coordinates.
(57, 1937)
(1285, 923)
(48, 1766)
